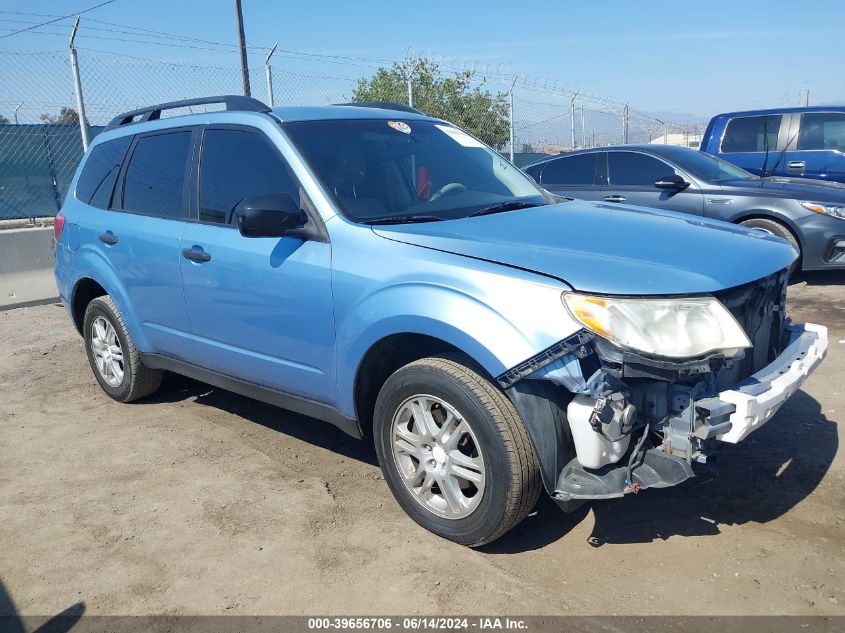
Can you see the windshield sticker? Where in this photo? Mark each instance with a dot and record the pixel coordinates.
(400, 126)
(460, 136)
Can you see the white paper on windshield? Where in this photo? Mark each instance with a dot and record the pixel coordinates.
(460, 136)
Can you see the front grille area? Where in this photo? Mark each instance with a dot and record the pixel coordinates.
(759, 307)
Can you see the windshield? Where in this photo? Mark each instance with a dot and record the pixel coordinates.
(409, 170)
(709, 168)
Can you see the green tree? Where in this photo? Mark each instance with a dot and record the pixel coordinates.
(4, 120)
(527, 148)
(452, 98)
(66, 116)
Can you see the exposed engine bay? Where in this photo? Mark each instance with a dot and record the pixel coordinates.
(623, 421)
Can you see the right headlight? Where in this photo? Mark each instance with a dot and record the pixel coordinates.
(836, 210)
(671, 327)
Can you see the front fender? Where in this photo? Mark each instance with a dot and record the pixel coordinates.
(496, 337)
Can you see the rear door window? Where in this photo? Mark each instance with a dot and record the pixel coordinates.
(634, 169)
(570, 170)
(239, 164)
(155, 177)
(96, 182)
(822, 130)
(751, 134)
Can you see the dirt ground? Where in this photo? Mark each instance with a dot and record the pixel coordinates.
(198, 501)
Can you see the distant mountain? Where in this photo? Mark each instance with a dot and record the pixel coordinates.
(676, 117)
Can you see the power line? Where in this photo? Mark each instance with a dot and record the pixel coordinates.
(142, 35)
(144, 31)
(153, 34)
(64, 17)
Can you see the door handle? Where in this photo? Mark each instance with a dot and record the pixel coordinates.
(107, 238)
(614, 198)
(196, 256)
(796, 164)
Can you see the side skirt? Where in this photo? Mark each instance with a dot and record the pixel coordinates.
(288, 401)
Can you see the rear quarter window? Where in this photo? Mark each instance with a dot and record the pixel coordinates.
(100, 171)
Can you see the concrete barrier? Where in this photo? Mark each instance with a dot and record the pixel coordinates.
(26, 267)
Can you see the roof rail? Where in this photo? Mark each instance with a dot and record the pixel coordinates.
(384, 105)
(153, 113)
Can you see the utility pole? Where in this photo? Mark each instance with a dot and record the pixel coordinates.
(572, 120)
(625, 125)
(665, 132)
(510, 96)
(77, 88)
(269, 73)
(239, 15)
(409, 70)
(15, 114)
(583, 129)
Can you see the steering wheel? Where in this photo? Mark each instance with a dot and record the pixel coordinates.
(447, 189)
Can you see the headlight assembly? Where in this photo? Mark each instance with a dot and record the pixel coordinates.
(673, 328)
(836, 210)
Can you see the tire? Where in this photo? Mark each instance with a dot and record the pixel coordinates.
(487, 498)
(134, 380)
(776, 228)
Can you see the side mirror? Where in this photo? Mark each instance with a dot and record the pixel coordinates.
(672, 181)
(269, 215)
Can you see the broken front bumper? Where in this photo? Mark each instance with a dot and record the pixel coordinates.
(758, 398)
(730, 416)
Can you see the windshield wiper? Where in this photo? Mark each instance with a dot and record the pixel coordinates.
(510, 205)
(404, 219)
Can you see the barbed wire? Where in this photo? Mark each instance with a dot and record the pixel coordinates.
(40, 145)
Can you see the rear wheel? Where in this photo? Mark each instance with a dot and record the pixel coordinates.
(774, 227)
(112, 354)
(454, 451)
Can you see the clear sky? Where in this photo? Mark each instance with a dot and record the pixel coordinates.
(689, 58)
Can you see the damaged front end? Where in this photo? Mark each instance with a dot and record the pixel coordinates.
(607, 421)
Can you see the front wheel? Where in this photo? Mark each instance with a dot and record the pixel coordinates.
(454, 451)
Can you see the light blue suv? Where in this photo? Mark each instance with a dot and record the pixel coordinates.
(384, 271)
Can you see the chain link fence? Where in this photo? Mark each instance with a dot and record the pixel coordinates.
(40, 141)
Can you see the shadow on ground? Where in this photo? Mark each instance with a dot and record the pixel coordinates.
(757, 480)
(13, 622)
(819, 278)
(176, 388)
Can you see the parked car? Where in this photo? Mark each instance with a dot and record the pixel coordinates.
(794, 142)
(810, 215)
(388, 273)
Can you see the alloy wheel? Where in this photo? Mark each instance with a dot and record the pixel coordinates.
(108, 355)
(438, 456)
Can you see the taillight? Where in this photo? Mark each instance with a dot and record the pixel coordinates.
(58, 226)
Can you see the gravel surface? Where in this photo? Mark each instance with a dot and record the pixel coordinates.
(198, 501)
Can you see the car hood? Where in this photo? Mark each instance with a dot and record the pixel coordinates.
(798, 188)
(617, 249)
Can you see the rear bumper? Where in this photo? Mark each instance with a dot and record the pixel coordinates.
(759, 397)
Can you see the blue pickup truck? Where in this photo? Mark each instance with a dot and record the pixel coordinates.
(787, 142)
